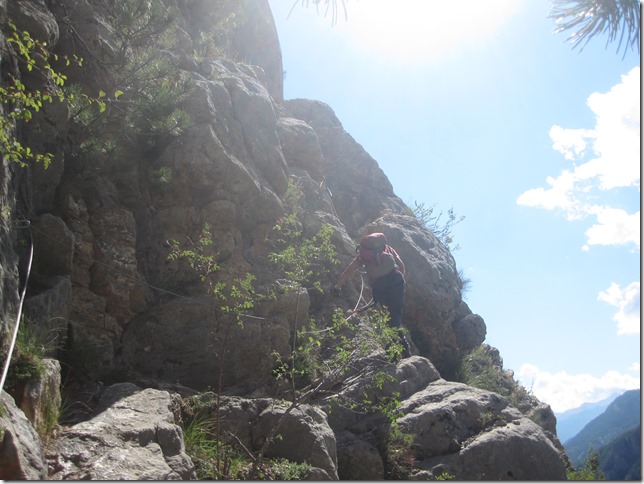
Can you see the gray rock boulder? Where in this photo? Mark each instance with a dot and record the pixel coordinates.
(304, 436)
(303, 433)
(21, 455)
(474, 434)
(132, 437)
(40, 400)
(455, 429)
(358, 459)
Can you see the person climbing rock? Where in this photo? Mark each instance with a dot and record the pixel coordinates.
(386, 272)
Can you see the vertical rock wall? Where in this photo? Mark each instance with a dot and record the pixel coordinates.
(103, 227)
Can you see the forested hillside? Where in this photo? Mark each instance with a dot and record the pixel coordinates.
(615, 436)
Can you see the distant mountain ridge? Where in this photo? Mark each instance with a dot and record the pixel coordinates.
(570, 422)
(620, 417)
(621, 460)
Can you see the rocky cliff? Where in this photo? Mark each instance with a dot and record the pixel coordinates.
(127, 317)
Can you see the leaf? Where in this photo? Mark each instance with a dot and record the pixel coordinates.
(117, 94)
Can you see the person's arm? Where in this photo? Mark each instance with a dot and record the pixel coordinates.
(399, 262)
(347, 272)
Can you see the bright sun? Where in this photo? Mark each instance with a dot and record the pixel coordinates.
(417, 30)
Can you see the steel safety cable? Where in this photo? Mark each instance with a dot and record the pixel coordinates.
(327, 191)
(147, 284)
(18, 317)
(361, 291)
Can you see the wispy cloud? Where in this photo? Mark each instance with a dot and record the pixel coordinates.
(563, 391)
(627, 301)
(613, 147)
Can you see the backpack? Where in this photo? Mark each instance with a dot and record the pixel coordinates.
(375, 255)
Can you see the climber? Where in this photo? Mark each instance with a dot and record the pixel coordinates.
(386, 272)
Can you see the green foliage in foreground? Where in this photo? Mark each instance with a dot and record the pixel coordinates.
(218, 460)
(588, 471)
(20, 104)
(26, 366)
(23, 368)
(32, 345)
(480, 370)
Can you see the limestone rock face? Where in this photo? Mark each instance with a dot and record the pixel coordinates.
(41, 398)
(305, 436)
(103, 231)
(132, 437)
(476, 435)
(21, 454)
(457, 430)
(109, 229)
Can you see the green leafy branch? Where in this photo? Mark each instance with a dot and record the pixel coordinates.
(234, 298)
(303, 260)
(21, 103)
(197, 255)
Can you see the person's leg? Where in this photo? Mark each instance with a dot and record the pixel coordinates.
(394, 302)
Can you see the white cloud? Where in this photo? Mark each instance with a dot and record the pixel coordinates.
(614, 145)
(558, 197)
(627, 301)
(570, 142)
(563, 391)
(614, 227)
(617, 129)
(407, 31)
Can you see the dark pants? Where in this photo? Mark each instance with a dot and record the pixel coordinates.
(389, 292)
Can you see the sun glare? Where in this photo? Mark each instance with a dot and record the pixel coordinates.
(421, 30)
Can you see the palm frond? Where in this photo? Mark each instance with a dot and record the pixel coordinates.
(329, 5)
(589, 18)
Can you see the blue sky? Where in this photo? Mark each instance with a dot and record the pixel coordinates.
(477, 106)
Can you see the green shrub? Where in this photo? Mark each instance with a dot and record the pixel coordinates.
(286, 470)
(216, 459)
(441, 229)
(23, 368)
(213, 459)
(588, 471)
(399, 456)
(481, 370)
(32, 345)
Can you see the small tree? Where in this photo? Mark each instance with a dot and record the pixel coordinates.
(232, 300)
(588, 471)
(146, 71)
